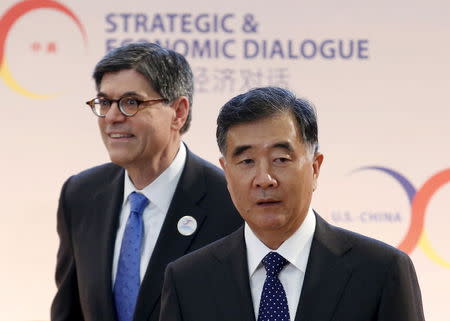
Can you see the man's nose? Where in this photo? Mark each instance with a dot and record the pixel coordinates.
(264, 178)
(114, 114)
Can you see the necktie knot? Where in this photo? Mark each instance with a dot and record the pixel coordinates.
(138, 202)
(274, 263)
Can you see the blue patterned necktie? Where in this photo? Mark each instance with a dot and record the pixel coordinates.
(126, 287)
(273, 305)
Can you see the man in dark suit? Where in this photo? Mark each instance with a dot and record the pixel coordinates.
(121, 223)
(286, 263)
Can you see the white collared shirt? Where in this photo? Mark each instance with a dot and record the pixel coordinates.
(295, 249)
(159, 194)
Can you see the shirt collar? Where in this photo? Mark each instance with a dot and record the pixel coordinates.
(295, 249)
(161, 190)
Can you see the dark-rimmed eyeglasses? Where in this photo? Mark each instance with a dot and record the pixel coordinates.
(128, 106)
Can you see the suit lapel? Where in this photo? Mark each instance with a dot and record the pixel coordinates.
(106, 213)
(171, 244)
(232, 280)
(326, 275)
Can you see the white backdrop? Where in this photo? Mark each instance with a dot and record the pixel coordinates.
(378, 73)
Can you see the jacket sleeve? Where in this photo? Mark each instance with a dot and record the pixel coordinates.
(66, 303)
(401, 298)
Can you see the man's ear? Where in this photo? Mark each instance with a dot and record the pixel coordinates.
(222, 163)
(181, 108)
(317, 163)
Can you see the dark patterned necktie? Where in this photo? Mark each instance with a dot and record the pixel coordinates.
(273, 305)
(126, 287)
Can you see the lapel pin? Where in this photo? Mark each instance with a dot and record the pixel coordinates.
(187, 225)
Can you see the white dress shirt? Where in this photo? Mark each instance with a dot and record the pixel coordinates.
(159, 194)
(295, 249)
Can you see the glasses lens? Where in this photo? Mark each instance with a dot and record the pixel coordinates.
(129, 105)
(101, 106)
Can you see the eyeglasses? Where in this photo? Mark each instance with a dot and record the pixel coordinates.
(127, 105)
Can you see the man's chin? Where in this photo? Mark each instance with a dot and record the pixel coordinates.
(270, 222)
(120, 159)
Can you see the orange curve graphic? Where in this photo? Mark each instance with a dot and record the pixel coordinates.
(6, 23)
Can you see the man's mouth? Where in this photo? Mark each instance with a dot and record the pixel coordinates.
(120, 135)
(268, 202)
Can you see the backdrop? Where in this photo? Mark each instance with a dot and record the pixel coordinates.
(377, 72)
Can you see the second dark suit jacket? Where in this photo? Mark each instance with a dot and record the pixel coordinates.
(348, 277)
(88, 216)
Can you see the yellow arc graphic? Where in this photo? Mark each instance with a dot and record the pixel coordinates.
(426, 247)
(13, 84)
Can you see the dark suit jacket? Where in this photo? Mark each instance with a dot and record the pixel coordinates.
(349, 277)
(88, 216)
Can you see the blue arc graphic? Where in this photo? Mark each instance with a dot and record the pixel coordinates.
(402, 180)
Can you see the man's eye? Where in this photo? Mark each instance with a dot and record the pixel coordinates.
(281, 160)
(246, 161)
(131, 102)
(104, 102)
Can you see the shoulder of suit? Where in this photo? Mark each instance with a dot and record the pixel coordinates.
(202, 258)
(210, 170)
(95, 176)
(207, 176)
(363, 246)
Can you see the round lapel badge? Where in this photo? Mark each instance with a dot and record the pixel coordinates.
(187, 225)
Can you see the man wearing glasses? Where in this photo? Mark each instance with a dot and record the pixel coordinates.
(121, 223)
